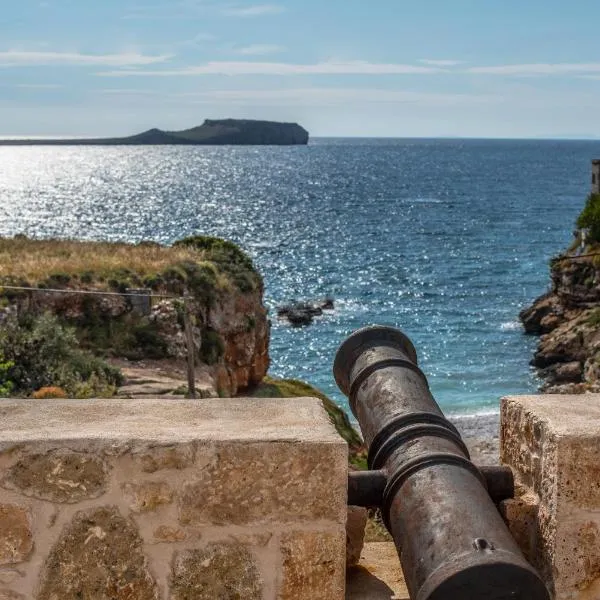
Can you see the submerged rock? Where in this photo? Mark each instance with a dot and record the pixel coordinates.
(303, 313)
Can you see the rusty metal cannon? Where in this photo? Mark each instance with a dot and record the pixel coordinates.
(438, 506)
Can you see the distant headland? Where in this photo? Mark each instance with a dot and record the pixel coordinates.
(241, 132)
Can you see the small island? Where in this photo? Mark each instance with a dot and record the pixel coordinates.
(240, 132)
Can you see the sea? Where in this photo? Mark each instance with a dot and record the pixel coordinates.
(446, 239)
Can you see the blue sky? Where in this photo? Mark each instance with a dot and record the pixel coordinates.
(474, 68)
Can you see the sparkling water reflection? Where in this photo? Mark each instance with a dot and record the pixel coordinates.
(446, 239)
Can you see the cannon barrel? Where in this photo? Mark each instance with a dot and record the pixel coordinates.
(452, 542)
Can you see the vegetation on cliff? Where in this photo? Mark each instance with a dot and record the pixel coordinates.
(567, 317)
(589, 218)
(223, 294)
(39, 352)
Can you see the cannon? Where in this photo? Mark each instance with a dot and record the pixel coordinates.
(437, 505)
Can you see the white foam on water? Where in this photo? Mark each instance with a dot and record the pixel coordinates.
(511, 326)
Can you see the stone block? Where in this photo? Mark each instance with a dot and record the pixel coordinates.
(219, 571)
(157, 459)
(552, 444)
(355, 534)
(146, 499)
(59, 476)
(98, 555)
(313, 567)
(16, 540)
(166, 533)
(10, 595)
(148, 496)
(267, 482)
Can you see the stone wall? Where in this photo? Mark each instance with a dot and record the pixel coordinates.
(552, 443)
(178, 499)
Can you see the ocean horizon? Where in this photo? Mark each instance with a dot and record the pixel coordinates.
(445, 238)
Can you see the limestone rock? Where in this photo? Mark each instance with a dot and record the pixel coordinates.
(217, 572)
(148, 496)
(167, 457)
(165, 533)
(98, 555)
(256, 482)
(313, 566)
(355, 534)
(563, 372)
(568, 319)
(59, 476)
(16, 540)
(10, 595)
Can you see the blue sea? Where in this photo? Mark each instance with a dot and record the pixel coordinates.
(446, 239)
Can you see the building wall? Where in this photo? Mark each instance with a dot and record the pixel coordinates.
(596, 177)
(154, 499)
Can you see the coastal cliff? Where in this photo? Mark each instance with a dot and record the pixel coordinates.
(568, 316)
(211, 132)
(92, 288)
(107, 318)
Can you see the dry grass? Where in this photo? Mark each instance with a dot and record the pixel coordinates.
(36, 260)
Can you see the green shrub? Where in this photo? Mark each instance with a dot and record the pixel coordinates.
(229, 259)
(590, 218)
(593, 318)
(212, 347)
(42, 353)
(6, 384)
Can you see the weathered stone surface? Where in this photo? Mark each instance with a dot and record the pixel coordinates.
(16, 541)
(98, 555)
(355, 534)
(172, 423)
(521, 514)
(59, 476)
(147, 496)
(8, 576)
(217, 572)
(269, 482)
(552, 442)
(10, 595)
(156, 459)
(313, 566)
(165, 533)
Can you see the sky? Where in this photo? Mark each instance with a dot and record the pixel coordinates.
(380, 68)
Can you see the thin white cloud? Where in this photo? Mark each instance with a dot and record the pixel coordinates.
(275, 68)
(129, 92)
(335, 96)
(18, 58)
(255, 10)
(535, 69)
(440, 63)
(260, 49)
(39, 86)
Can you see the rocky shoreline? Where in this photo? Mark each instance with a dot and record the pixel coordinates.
(567, 319)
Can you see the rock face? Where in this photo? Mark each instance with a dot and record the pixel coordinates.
(211, 132)
(142, 316)
(568, 320)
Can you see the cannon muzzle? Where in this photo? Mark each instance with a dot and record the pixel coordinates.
(452, 542)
